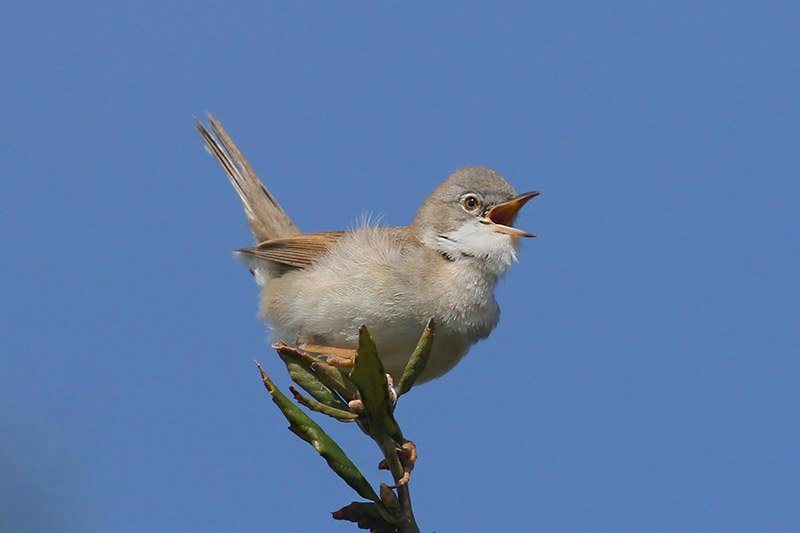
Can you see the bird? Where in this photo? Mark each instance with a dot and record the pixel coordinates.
(318, 289)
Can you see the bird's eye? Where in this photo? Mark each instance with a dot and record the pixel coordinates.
(471, 202)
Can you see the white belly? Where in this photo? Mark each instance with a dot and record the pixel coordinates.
(393, 296)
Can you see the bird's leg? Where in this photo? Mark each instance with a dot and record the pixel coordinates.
(335, 356)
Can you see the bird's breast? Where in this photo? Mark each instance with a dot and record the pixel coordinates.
(463, 300)
(393, 292)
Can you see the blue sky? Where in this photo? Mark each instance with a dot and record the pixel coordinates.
(644, 375)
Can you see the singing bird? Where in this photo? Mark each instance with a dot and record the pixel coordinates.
(317, 289)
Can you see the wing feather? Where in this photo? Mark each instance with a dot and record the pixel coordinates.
(298, 251)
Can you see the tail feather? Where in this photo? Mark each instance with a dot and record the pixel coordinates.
(266, 218)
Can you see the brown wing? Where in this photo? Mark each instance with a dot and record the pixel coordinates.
(298, 251)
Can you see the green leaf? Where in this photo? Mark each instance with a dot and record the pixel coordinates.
(370, 378)
(301, 374)
(314, 405)
(418, 361)
(328, 374)
(301, 425)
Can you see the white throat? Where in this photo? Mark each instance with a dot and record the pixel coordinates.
(491, 251)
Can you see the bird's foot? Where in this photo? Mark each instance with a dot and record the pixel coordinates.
(392, 392)
(407, 453)
(343, 357)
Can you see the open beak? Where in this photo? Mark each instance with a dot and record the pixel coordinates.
(502, 216)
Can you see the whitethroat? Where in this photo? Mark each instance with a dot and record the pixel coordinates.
(317, 289)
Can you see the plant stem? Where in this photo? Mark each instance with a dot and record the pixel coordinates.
(389, 450)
